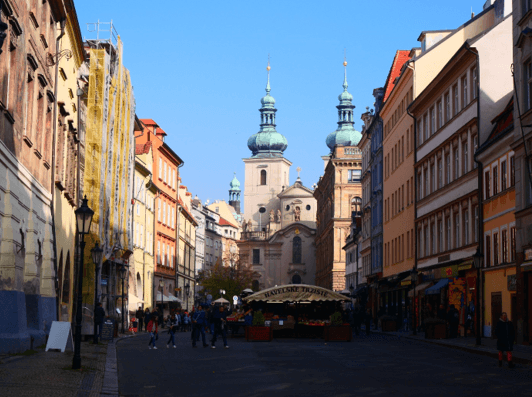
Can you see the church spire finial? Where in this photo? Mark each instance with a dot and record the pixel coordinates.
(345, 71)
(268, 68)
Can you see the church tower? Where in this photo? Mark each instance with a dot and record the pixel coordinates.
(267, 171)
(234, 194)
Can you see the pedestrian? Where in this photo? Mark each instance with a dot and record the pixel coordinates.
(186, 322)
(152, 329)
(453, 318)
(469, 319)
(147, 316)
(368, 320)
(172, 329)
(140, 317)
(505, 339)
(99, 315)
(210, 324)
(198, 323)
(220, 326)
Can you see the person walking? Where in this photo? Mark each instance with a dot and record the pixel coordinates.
(198, 324)
(152, 329)
(172, 329)
(99, 315)
(186, 322)
(219, 319)
(505, 339)
(140, 317)
(367, 320)
(147, 316)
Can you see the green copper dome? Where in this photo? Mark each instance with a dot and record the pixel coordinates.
(267, 142)
(235, 184)
(345, 135)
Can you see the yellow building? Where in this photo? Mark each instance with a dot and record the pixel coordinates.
(497, 158)
(141, 282)
(69, 154)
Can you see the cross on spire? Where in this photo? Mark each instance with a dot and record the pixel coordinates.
(298, 169)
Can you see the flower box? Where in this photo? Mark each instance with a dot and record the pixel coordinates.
(340, 333)
(435, 331)
(254, 333)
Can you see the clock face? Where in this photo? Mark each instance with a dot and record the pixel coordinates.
(297, 231)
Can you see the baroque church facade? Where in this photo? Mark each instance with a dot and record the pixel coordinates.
(279, 225)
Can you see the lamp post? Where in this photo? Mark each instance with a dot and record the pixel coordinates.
(123, 275)
(414, 277)
(96, 253)
(477, 260)
(187, 291)
(83, 221)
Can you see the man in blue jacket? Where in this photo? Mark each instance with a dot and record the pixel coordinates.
(220, 325)
(198, 326)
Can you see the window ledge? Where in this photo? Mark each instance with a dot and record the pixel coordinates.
(525, 18)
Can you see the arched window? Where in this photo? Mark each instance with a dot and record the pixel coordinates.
(263, 177)
(296, 250)
(296, 279)
(255, 285)
(356, 206)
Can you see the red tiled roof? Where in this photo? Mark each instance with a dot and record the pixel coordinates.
(143, 148)
(149, 122)
(224, 222)
(401, 56)
(189, 194)
(182, 187)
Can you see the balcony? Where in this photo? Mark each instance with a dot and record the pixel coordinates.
(256, 235)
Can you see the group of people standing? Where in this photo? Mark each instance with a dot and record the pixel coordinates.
(214, 320)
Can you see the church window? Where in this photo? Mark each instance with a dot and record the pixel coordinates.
(263, 177)
(288, 208)
(296, 250)
(256, 256)
(296, 279)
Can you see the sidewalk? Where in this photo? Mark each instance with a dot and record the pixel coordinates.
(521, 354)
(40, 373)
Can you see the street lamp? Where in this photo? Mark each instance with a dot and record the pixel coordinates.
(83, 221)
(96, 253)
(414, 277)
(222, 292)
(187, 291)
(477, 260)
(123, 275)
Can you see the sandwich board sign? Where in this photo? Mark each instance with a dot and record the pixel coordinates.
(60, 336)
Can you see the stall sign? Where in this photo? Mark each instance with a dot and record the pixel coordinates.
(449, 271)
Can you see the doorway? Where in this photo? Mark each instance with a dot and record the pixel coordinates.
(496, 310)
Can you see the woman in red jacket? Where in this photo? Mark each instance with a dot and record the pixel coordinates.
(152, 329)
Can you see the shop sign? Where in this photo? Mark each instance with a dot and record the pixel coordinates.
(512, 280)
(449, 271)
(466, 265)
(406, 282)
(528, 254)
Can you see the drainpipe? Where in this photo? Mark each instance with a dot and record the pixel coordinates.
(52, 207)
(480, 188)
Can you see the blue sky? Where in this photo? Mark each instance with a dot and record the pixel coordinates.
(199, 70)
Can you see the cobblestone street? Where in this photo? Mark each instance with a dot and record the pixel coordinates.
(374, 365)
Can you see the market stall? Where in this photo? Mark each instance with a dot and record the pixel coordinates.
(299, 311)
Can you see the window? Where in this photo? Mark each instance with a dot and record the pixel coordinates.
(475, 226)
(432, 121)
(164, 212)
(419, 132)
(466, 158)
(528, 84)
(464, 92)
(263, 177)
(432, 179)
(440, 236)
(455, 100)
(433, 239)
(165, 174)
(440, 174)
(512, 244)
(526, 6)
(466, 227)
(160, 168)
(486, 185)
(474, 79)
(456, 164)
(495, 181)
(426, 242)
(256, 256)
(447, 99)
(354, 176)
(504, 183)
(426, 127)
(448, 169)
(172, 180)
(512, 170)
(296, 279)
(475, 147)
(440, 114)
(296, 250)
(504, 242)
(448, 233)
(173, 217)
(487, 250)
(158, 252)
(495, 249)
(456, 230)
(159, 210)
(426, 186)
(420, 245)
